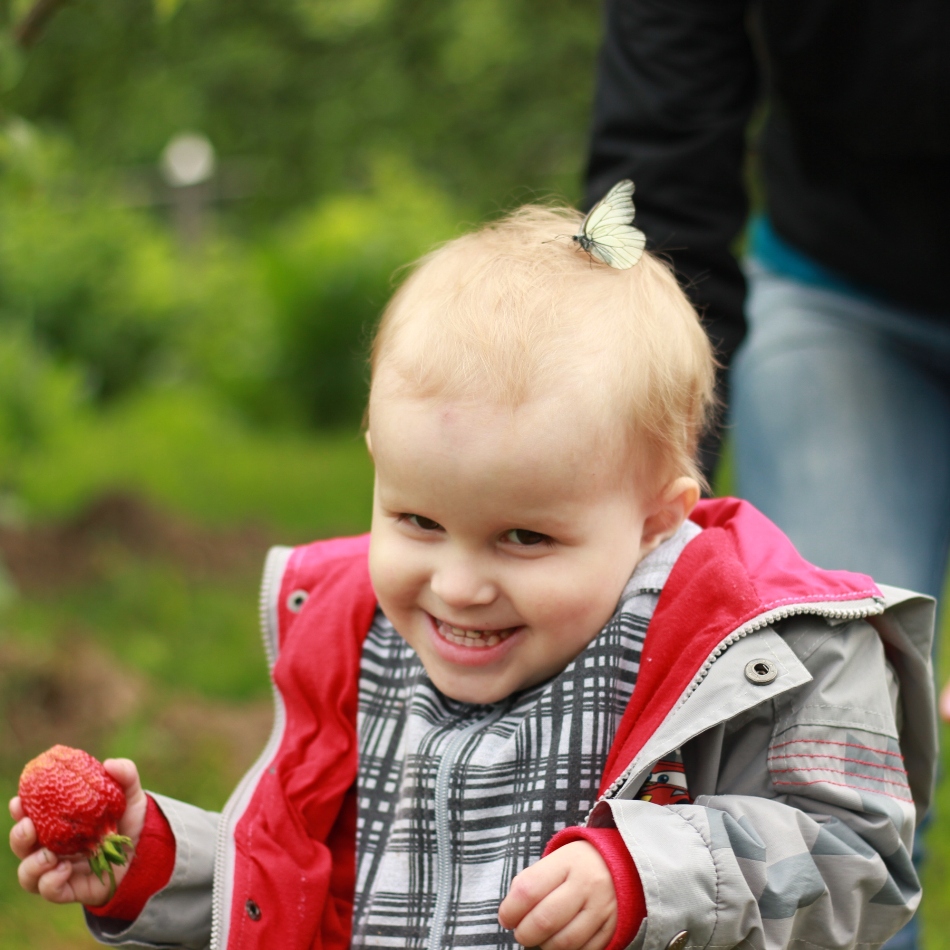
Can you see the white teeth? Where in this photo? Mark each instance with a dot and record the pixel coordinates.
(477, 639)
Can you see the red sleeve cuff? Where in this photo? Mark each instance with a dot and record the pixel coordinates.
(150, 870)
(631, 904)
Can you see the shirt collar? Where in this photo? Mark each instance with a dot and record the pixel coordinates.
(651, 573)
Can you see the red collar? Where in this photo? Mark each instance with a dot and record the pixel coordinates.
(740, 567)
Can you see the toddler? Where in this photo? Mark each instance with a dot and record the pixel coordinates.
(553, 699)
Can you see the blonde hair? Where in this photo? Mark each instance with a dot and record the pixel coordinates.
(515, 310)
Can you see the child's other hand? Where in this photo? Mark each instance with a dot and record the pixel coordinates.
(67, 880)
(564, 902)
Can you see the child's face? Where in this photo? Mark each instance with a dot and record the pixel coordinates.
(501, 542)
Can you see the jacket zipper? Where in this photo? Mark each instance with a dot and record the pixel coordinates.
(869, 608)
(443, 888)
(273, 567)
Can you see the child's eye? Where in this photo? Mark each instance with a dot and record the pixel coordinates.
(525, 537)
(420, 521)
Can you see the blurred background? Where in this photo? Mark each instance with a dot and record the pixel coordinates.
(203, 204)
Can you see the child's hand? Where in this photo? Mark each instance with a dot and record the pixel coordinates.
(564, 902)
(66, 880)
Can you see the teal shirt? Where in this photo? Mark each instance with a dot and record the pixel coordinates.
(774, 253)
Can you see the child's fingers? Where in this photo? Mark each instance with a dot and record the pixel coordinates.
(560, 913)
(23, 838)
(16, 808)
(87, 888)
(33, 867)
(55, 885)
(597, 941)
(529, 888)
(126, 774)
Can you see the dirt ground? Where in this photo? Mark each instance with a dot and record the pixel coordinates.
(83, 697)
(47, 557)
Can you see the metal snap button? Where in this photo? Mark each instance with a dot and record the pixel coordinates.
(678, 942)
(760, 672)
(253, 911)
(296, 600)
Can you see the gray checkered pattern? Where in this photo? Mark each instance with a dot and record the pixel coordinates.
(509, 776)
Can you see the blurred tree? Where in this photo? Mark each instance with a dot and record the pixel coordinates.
(31, 25)
(329, 273)
(355, 132)
(90, 281)
(486, 96)
(37, 398)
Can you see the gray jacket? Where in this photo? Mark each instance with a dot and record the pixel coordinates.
(793, 733)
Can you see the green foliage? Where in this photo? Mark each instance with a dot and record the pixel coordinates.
(487, 96)
(38, 400)
(185, 451)
(91, 282)
(350, 136)
(935, 910)
(227, 340)
(330, 273)
(185, 631)
(277, 327)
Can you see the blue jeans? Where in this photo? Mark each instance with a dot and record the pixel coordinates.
(841, 410)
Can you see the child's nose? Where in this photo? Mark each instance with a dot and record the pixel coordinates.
(461, 584)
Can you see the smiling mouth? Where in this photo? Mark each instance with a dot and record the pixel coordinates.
(474, 639)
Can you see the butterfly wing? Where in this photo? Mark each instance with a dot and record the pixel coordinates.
(615, 207)
(622, 247)
(610, 236)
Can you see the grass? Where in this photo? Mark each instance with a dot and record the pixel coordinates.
(153, 651)
(936, 876)
(935, 910)
(184, 452)
(194, 634)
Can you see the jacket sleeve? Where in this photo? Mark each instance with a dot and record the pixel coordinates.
(805, 836)
(676, 83)
(178, 917)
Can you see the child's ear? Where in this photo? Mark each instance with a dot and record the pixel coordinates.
(369, 443)
(669, 511)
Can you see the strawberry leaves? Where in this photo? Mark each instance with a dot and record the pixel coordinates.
(110, 852)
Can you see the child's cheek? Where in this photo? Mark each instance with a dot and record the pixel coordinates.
(395, 573)
(384, 569)
(566, 601)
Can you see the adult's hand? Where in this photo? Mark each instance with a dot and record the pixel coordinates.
(944, 704)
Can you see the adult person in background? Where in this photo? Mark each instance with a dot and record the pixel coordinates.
(841, 391)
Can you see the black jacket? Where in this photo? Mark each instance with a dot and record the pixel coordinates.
(855, 152)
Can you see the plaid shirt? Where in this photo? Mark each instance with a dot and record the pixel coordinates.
(455, 799)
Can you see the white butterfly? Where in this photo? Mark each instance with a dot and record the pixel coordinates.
(608, 234)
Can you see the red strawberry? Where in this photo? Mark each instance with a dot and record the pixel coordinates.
(76, 806)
